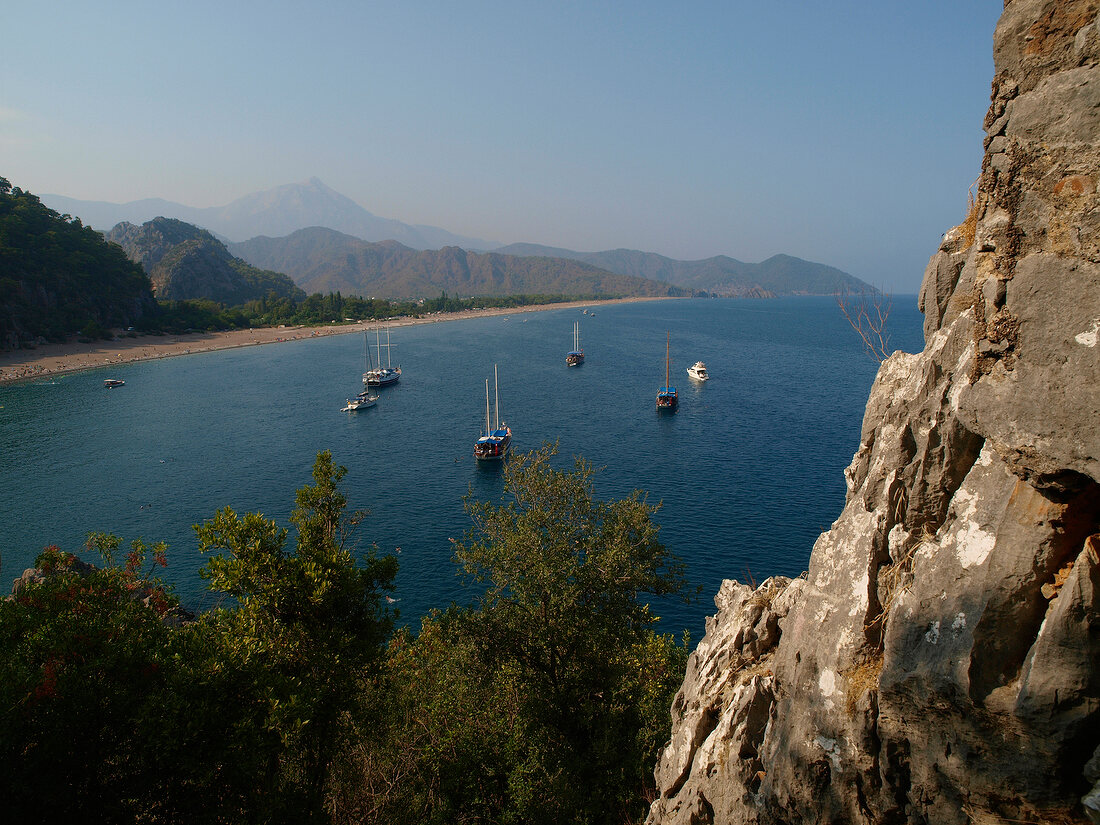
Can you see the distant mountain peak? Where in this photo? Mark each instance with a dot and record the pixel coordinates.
(274, 212)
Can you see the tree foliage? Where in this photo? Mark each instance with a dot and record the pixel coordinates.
(85, 660)
(565, 575)
(107, 713)
(308, 626)
(546, 701)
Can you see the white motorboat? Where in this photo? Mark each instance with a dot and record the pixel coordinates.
(698, 371)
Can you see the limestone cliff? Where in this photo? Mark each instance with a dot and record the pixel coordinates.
(940, 660)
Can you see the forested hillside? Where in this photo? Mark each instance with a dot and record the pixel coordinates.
(59, 277)
(186, 263)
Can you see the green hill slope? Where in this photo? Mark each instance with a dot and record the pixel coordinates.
(58, 276)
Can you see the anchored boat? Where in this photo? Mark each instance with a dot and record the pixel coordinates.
(493, 446)
(698, 371)
(667, 400)
(576, 357)
(381, 376)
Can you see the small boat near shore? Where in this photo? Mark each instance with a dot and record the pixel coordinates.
(698, 371)
(114, 382)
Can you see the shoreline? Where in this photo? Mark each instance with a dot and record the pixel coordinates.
(24, 365)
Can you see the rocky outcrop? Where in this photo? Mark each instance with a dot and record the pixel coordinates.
(185, 262)
(940, 661)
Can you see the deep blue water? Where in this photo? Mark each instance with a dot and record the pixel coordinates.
(749, 471)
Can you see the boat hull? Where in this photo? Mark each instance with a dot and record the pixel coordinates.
(361, 402)
(493, 447)
(382, 378)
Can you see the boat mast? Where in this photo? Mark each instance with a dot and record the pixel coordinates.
(389, 362)
(488, 431)
(666, 358)
(496, 396)
(378, 346)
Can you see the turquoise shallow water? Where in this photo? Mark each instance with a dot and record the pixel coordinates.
(749, 470)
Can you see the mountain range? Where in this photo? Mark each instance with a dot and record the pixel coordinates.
(252, 225)
(323, 260)
(720, 275)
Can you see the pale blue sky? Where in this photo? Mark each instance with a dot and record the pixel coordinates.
(845, 132)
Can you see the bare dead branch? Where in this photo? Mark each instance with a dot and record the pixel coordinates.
(868, 314)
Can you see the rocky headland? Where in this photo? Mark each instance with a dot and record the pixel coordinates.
(939, 662)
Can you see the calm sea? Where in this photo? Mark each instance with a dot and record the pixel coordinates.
(749, 471)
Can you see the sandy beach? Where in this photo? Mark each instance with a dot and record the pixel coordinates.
(54, 359)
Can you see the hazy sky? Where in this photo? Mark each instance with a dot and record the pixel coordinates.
(846, 132)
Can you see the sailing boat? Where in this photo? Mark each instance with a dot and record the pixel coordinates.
(364, 399)
(576, 357)
(493, 446)
(382, 376)
(666, 395)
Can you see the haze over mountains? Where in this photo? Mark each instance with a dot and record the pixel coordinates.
(274, 212)
(265, 228)
(721, 275)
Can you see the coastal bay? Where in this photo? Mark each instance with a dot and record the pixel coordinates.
(748, 471)
(56, 359)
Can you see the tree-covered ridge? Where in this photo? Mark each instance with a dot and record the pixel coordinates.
(543, 702)
(58, 276)
(316, 309)
(186, 262)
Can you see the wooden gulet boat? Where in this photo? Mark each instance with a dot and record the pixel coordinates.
(667, 400)
(493, 446)
(576, 357)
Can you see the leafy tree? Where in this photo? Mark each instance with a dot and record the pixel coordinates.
(308, 624)
(452, 739)
(564, 574)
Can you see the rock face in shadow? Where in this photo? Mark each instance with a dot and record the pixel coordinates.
(940, 660)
